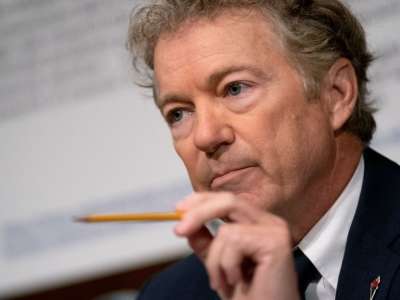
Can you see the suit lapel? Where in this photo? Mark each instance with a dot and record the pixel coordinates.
(375, 226)
(363, 263)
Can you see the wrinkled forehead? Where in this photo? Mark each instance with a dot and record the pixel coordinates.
(178, 28)
(204, 32)
(204, 46)
(259, 26)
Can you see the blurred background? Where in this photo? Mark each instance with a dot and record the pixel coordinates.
(77, 136)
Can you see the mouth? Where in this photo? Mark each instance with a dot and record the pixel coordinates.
(229, 178)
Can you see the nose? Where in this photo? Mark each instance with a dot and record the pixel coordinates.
(212, 131)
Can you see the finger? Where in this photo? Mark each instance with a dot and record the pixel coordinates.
(246, 213)
(200, 242)
(189, 201)
(231, 259)
(233, 252)
(215, 205)
(225, 291)
(212, 263)
(202, 210)
(196, 198)
(225, 260)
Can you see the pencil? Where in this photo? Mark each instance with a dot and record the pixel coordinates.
(131, 217)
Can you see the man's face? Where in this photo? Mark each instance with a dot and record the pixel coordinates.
(238, 114)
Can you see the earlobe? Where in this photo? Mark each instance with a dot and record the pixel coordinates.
(341, 92)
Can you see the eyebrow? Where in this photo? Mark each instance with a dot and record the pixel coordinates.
(212, 81)
(170, 97)
(216, 77)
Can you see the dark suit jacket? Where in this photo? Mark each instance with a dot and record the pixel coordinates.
(372, 249)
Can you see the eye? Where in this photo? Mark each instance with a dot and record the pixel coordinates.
(235, 88)
(175, 115)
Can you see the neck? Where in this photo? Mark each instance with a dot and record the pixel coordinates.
(320, 197)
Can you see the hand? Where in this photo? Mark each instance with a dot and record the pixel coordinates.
(251, 255)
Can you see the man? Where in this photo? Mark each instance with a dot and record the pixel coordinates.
(266, 103)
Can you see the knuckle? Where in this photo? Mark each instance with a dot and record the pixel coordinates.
(223, 232)
(228, 197)
(282, 237)
(235, 235)
(227, 263)
(277, 231)
(282, 226)
(231, 234)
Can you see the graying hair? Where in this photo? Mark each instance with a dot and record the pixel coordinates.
(315, 34)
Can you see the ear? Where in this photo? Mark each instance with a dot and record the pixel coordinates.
(340, 92)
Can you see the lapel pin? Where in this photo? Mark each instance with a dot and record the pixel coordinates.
(373, 287)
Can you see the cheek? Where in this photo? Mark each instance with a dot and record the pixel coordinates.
(288, 141)
(185, 152)
(192, 159)
(182, 129)
(304, 142)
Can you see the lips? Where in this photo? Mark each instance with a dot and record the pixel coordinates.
(229, 178)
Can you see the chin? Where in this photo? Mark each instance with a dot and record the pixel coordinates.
(260, 199)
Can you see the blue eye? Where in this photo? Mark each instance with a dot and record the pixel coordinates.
(234, 89)
(177, 115)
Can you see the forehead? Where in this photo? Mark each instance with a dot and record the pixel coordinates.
(205, 45)
(229, 28)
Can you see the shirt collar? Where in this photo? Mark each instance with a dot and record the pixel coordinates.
(325, 243)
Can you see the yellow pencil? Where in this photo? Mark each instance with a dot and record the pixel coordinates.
(148, 216)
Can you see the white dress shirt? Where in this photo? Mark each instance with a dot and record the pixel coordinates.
(325, 243)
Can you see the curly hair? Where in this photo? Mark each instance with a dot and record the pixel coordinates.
(315, 34)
